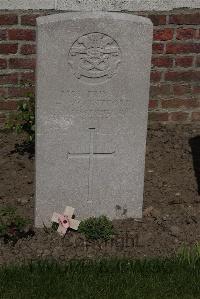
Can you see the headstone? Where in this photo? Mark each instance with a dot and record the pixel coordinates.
(93, 72)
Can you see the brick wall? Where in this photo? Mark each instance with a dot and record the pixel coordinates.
(175, 76)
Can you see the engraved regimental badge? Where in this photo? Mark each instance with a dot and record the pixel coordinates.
(94, 57)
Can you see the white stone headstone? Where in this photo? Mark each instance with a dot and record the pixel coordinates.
(93, 73)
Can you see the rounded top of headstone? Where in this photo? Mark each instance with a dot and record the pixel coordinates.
(93, 15)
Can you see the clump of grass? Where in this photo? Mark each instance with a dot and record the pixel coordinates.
(100, 228)
(148, 279)
(12, 226)
(189, 255)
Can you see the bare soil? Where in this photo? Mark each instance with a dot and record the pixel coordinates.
(171, 202)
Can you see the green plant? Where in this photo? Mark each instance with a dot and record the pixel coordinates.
(12, 226)
(189, 255)
(24, 119)
(24, 122)
(97, 278)
(97, 228)
(54, 226)
(49, 230)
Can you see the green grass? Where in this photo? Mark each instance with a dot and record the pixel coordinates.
(102, 279)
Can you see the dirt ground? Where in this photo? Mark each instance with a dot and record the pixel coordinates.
(171, 202)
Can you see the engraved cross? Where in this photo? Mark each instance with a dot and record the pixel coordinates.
(91, 155)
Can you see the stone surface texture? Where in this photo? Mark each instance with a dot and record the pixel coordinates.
(93, 73)
(114, 5)
(128, 5)
(27, 4)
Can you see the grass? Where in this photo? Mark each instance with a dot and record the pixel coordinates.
(174, 278)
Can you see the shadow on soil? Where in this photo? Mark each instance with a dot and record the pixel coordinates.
(195, 148)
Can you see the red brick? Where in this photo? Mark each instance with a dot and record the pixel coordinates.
(180, 90)
(198, 61)
(28, 49)
(3, 63)
(8, 19)
(155, 76)
(2, 118)
(195, 116)
(158, 19)
(184, 34)
(158, 116)
(153, 104)
(180, 103)
(178, 116)
(163, 34)
(8, 105)
(8, 48)
(162, 62)
(29, 20)
(177, 48)
(184, 61)
(160, 90)
(183, 76)
(3, 92)
(158, 48)
(196, 89)
(9, 79)
(27, 78)
(19, 91)
(21, 34)
(185, 19)
(3, 34)
(21, 63)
